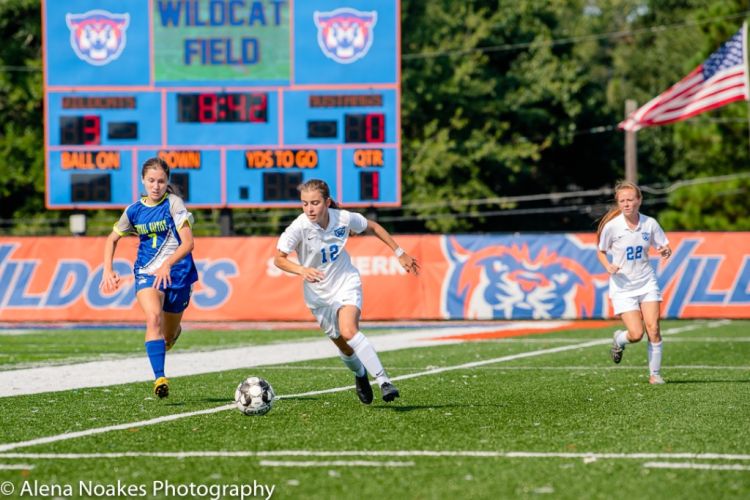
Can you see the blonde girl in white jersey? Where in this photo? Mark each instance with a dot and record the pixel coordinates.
(332, 285)
(626, 236)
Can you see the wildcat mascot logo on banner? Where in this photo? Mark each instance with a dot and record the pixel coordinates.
(345, 35)
(98, 36)
(539, 277)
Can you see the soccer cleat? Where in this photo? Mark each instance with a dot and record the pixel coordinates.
(169, 345)
(364, 389)
(656, 380)
(161, 387)
(389, 392)
(616, 351)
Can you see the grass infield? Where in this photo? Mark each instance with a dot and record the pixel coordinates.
(565, 424)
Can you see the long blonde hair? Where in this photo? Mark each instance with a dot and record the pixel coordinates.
(614, 210)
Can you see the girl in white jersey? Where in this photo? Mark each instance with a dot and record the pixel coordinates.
(332, 286)
(627, 235)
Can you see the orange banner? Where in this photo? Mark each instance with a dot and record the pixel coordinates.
(463, 277)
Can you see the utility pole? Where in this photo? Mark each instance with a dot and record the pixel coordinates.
(631, 161)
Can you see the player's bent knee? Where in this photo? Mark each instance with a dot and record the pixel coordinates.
(634, 338)
(348, 333)
(153, 321)
(652, 329)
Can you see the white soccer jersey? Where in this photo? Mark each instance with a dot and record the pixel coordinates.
(629, 250)
(323, 249)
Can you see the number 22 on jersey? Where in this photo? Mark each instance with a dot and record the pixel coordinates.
(634, 253)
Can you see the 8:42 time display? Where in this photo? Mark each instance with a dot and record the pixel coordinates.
(214, 107)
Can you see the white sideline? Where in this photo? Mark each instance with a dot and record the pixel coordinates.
(16, 467)
(586, 456)
(107, 373)
(333, 463)
(167, 418)
(690, 465)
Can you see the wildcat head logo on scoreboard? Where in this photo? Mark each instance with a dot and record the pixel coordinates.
(345, 35)
(98, 36)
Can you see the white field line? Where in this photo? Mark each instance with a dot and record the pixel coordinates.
(572, 340)
(587, 456)
(137, 369)
(333, 463)
(16, 467)
(177, 416)
(516, 367)
(691, 465)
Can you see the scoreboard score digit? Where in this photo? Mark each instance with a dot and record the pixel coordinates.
(244, 99)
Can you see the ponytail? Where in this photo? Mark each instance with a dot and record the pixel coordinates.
(611, 214)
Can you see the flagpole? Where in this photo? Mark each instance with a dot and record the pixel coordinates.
(631, 160)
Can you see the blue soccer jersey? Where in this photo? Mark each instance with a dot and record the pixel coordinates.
(157, 228)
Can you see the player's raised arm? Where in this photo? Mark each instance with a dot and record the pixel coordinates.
(408, 262)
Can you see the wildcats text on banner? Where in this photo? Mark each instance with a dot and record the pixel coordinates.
(463, 277)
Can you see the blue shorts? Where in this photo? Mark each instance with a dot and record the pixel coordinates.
(176, 300)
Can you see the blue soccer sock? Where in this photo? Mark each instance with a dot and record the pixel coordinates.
(156, 350)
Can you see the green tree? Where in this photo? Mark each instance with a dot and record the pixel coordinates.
(22, 137)
(710, 144)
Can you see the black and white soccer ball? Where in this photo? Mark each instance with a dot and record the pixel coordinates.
(254, 396)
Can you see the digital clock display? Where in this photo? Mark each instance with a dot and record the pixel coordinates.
(222, 108)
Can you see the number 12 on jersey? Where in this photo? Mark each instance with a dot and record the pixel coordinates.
(332, 254)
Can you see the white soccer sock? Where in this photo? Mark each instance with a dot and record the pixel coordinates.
(367, 355)
(353, 363)
(622, 338)
(654, 357)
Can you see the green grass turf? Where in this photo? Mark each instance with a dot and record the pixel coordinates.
(573, 401)
(69, 346)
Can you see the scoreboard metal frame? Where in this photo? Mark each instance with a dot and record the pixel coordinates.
(243, 99)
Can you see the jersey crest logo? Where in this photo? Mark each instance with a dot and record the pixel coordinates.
(98, 37)
(645, 236)
(340, 232)
(345, 35)
(532, 279)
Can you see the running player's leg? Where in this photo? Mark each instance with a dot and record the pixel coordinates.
(171, 328)
(150, 301)
(628, 309)
(348, 321)
(327, 318)
(651, 312)
(176, 301)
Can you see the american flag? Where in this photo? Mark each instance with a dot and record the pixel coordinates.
(721, 79)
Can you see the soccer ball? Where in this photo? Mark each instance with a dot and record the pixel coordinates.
(254, 396)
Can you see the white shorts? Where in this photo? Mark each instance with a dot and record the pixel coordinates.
(327, 315)
(625, 304)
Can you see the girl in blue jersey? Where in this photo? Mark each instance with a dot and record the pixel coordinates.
(164, 269)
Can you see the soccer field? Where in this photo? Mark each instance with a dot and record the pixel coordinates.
(500, 413)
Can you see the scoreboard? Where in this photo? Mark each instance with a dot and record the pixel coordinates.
(243, 99)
